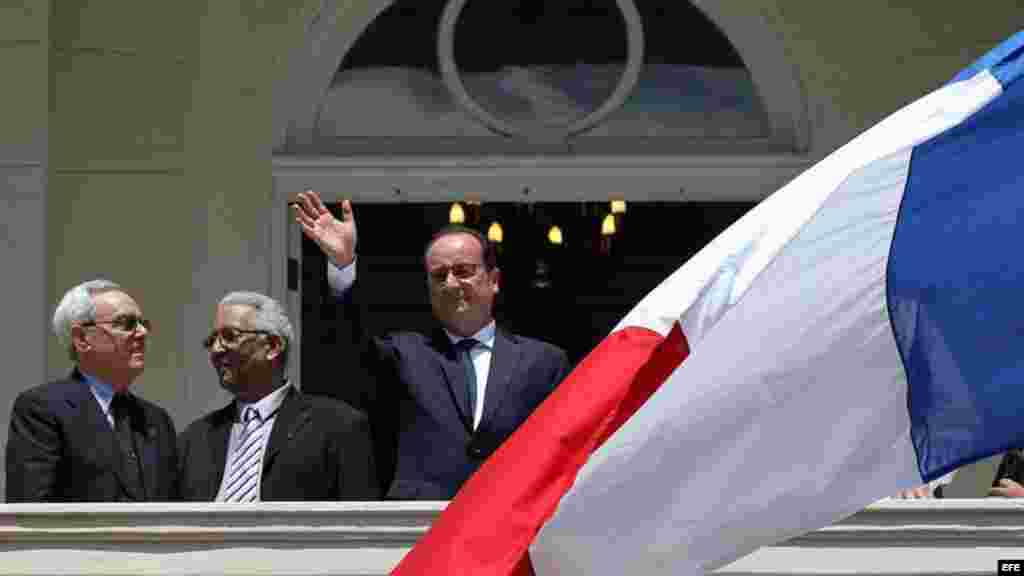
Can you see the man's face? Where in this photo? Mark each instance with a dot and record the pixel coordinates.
(113, 346)
(242, 357)
(462, 290)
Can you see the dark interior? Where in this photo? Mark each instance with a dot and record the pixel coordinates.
(571, 295)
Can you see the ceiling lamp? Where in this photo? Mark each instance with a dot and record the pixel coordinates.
(495, 233)
(555, 235)
(456, 215)
(618, 206)
(608, 225)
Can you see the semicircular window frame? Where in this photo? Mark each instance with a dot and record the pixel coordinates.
(468, 128)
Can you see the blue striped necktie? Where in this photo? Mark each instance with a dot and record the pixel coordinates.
(246, 459)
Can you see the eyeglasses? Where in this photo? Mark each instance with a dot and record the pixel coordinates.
(228, 337)
(127, 323)
(461, 271)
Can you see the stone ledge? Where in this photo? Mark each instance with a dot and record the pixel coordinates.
(229, 524)
(891, 537)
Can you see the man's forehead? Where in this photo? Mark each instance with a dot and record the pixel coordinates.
(233, 314)
(457, 245)
(114, 300)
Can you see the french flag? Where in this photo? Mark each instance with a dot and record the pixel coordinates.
(857, 333)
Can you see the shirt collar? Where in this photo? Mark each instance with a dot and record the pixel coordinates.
(103, 392)
(484, 336)
(266, 406)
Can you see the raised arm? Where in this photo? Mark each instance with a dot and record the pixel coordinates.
(336, 238)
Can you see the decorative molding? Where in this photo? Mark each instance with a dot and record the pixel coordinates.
(380, 523)
(765, 56)
(311, 66)
(922, 523)
(540, 131)
(891, 537)
(538, 178)
(288, 163)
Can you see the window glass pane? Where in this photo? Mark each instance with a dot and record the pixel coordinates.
(389, 83)
(536, 60)
(693, 83)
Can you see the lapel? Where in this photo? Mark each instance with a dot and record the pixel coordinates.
(504, 359)
(453, 374)
(291, 417)
(220, 432)
(94, 424)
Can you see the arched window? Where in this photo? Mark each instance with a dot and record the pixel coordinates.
(576, 76)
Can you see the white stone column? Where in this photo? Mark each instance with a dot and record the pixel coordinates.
(24, 72)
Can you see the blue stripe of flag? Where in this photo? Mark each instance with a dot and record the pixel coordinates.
(955, 279)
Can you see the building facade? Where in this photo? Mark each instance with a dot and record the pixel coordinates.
(157, 143)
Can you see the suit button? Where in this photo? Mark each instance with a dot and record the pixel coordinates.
(474, 452)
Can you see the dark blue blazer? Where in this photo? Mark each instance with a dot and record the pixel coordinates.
(60, 448)
(421, 392)
(410, 386)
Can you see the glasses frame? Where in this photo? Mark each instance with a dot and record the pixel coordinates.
(216, 336)
(436, 277)
(136, 320)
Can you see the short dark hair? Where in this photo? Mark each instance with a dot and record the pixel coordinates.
(490, 254)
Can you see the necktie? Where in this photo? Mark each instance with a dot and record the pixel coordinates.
(120, 412)
(463, 347)
(246, 458)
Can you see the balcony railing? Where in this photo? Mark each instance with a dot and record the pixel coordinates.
(891, 537)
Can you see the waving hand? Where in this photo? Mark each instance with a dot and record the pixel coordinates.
(337, 238)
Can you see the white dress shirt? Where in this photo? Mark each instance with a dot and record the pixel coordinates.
(480, 354)
(267, 408)
(103, 393)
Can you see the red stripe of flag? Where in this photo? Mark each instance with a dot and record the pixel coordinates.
(487, 528)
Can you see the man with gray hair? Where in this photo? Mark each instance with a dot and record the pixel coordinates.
(272, 442)
(86, 438)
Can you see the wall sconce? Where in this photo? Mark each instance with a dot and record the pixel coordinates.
(495, 233)
(456, 215)
(608, 225)
(618, 206)
(555, 235)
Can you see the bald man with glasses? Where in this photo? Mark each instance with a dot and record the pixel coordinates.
(87, 438)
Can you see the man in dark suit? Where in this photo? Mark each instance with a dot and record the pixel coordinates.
(86, 438)
(442, 402)
(272, 442)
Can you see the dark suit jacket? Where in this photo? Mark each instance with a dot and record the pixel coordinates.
(60, 448)
(412, 387)
(319, 449)
(418, 406)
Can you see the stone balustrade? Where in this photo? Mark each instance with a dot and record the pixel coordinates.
(891, 537)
